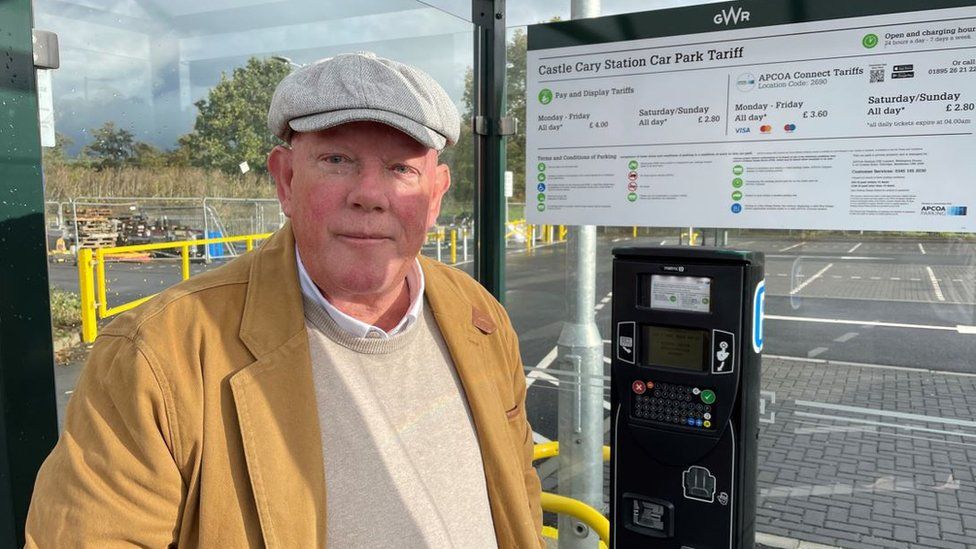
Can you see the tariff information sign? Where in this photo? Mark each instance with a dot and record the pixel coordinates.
(756, 119)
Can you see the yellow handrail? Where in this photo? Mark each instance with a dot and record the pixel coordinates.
(555, 503)
(94, 294)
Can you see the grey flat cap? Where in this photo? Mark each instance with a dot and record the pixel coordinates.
(363, 87)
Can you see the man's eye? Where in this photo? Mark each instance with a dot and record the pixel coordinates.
(403, 169)
(334, 159)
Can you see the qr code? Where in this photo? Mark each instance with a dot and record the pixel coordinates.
(877, 74)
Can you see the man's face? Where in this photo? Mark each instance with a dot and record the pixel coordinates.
(361, 197)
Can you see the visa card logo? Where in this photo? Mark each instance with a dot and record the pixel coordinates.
(758, 316)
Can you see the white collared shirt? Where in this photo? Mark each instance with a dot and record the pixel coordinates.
(358, 328)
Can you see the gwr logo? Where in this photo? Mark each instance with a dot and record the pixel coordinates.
(732, 15)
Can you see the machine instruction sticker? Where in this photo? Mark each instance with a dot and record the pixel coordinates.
(681, 293)
(859, 123)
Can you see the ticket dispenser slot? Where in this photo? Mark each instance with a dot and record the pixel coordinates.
(685, 397)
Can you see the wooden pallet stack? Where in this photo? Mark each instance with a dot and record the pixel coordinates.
(96, 227)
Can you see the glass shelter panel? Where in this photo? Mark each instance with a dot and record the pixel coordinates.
(157, 134)
(868, 374)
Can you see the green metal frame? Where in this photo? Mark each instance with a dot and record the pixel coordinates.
(488, 17)
(28, 413)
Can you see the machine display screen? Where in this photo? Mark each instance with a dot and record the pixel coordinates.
(678, 293)
(674, 347)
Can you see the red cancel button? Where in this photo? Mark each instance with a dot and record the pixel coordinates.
(639, 387)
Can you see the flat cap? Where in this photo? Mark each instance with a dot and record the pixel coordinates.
(363, 87)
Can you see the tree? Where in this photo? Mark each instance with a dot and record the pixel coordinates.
(58, 154)
(147, 156)
(231, 126)
(112, 147)
(516, 54)
(462, 157)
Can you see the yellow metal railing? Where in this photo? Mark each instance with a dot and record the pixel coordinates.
(555, 503)
(547, 234)
(94, 293)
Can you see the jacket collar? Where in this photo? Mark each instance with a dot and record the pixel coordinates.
(272, 308)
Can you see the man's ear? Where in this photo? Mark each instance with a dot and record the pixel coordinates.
(280, 168)
(442, 182)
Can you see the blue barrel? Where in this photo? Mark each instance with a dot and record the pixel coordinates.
(215, 249)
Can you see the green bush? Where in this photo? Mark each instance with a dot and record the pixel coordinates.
(65, 309)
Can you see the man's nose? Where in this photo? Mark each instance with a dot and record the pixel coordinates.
(369, 189)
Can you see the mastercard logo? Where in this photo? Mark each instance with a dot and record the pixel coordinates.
(766, 128)
(790, 128)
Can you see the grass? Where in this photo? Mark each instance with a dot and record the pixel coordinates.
(67, 181)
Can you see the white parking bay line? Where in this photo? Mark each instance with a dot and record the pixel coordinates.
(788, 248)
(886, 413)
(807, 282)
(815, 352)
(537, 372)
(856, 246)
(958, 328)
(935, 283)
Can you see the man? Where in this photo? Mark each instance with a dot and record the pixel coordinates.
(332, 389)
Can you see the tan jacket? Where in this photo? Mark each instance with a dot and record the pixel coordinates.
(194, 422)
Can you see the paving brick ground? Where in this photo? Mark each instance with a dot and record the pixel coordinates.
(836, 468)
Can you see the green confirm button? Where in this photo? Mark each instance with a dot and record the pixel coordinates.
(708, 396)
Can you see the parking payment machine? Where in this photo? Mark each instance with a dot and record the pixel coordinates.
(687, 337)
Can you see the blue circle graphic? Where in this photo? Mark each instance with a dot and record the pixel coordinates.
(736, 208)
(541, 187)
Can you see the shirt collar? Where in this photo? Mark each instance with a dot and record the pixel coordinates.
(356, 327)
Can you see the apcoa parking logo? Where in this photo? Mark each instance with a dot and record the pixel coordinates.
(938, 209)
(733, 15)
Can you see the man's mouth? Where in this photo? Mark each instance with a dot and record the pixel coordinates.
(363, 237)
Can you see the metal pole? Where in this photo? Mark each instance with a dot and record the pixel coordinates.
(206, 233)
(580, 348)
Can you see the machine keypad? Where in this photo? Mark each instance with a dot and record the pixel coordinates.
(674, 404)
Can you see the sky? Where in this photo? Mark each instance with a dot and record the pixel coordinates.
(143, 63)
